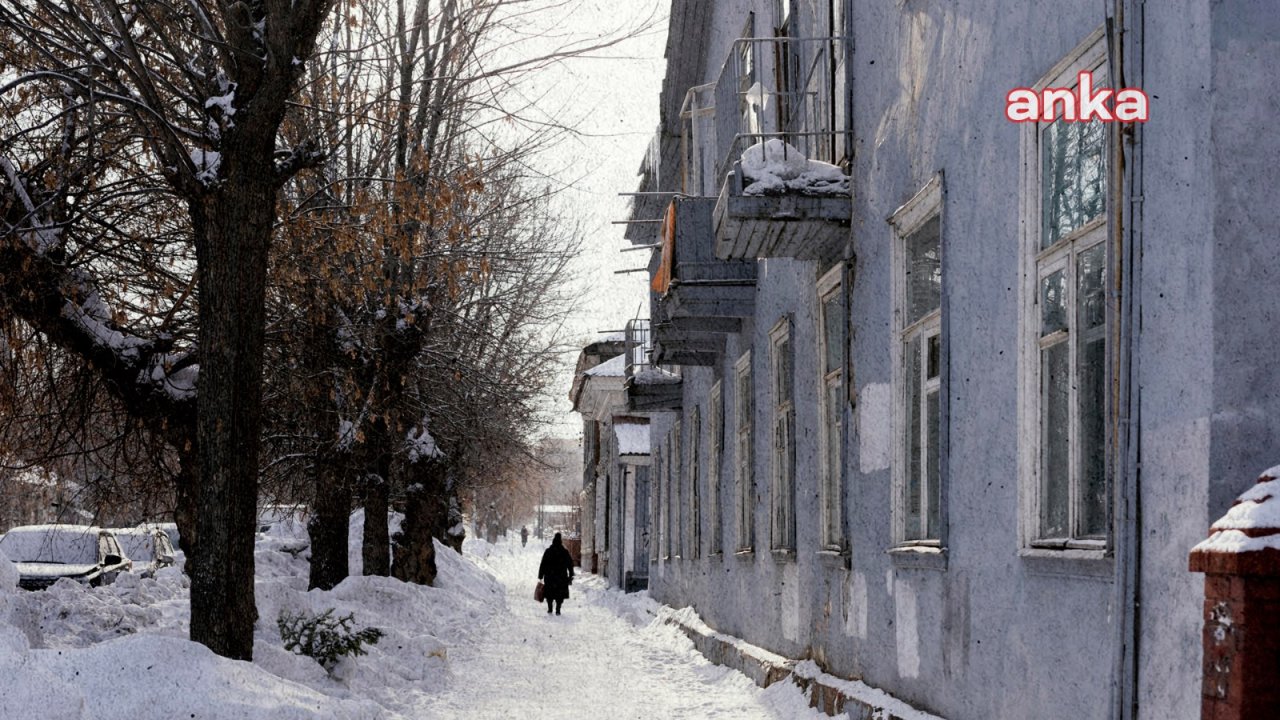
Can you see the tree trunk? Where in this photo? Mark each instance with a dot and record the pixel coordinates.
(331, 462)
(187, 508)
(396, 349)
(376, 546)
(233, 226)
(455, 520)
(425, 511)
(331, 510)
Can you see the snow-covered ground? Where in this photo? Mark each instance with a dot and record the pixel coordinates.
(475, 646)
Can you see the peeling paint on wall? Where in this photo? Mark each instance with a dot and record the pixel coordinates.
(875, 420)
(856, 606)
(791, 602)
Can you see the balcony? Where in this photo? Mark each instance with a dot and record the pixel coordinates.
(649, 388)
(699, 297)
(770, 142)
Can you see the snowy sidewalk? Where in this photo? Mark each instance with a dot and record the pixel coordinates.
(473, 647)
(603, 658)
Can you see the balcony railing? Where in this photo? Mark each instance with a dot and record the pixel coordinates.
(782, 88)
(639, 346)
(649, 387)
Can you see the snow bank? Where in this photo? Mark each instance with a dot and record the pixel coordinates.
(8, 576)
(655, 376)
(775, 167)
(152, 676)
(883, 702)
(63, 649)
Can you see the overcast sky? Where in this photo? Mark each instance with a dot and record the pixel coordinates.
(611, 98)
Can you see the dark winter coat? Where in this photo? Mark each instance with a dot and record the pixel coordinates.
(556, 571)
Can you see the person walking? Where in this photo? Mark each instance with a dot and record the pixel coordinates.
(524, 535)
(556, 573)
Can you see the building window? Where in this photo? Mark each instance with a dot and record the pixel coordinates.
(832, 319)
(1065, 319)
(695, 495)
(608, 511)
(659, 514)
(715, 423)
(783, 490)
(919, 369)
(744, 454)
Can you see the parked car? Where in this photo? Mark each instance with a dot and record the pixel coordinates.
(148, 547)
(43, 554)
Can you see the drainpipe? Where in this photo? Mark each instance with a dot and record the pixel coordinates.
(1126, 56)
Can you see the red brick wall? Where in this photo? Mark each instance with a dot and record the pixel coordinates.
(1241, 634)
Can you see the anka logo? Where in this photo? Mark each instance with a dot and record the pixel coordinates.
(1083, 103)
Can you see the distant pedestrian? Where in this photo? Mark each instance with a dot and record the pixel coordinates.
(556, 574)
(524, 535)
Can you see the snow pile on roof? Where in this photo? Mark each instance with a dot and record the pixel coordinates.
(1252, 523)
(613, 367)
(633, 438)
(775, 167)
(656, 376)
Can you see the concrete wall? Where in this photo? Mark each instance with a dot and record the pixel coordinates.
(994, 631)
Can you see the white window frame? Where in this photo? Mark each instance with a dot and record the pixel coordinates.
(923, 207)
(1091, 54)
(744, 452)
(715, 426)
(831, 478)
(782, 486)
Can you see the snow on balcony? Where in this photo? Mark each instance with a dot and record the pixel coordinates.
(770, 140)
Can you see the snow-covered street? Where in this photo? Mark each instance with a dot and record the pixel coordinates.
(475, 646)
(605, 656)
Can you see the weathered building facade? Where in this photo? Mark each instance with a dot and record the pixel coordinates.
(958, 394)
(615, 498)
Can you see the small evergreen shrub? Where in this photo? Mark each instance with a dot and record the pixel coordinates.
(324, 637)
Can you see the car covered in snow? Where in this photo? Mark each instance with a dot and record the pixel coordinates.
(44, 554)
(148, 547)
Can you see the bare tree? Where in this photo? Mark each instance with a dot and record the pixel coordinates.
(203, 87)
